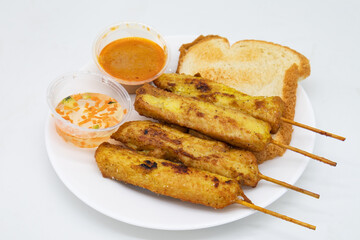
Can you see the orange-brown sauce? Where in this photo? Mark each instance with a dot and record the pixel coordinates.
(132, 58)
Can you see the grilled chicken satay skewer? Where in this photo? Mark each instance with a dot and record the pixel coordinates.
(225, 124)
(174, 180)
(268, 109)
(203, 136)
(161, 141)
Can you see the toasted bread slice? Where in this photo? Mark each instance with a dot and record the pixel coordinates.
(254, 67)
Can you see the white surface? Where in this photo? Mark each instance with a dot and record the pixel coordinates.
(42, 40)
(78, 170)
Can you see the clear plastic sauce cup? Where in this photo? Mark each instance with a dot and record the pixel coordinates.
(85, 82)
(127, 30)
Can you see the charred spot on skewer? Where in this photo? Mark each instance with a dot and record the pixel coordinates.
(208, 97)
(176, 141)
(176, 167)
(148, 165)
(184, 153)
(259, 104)
(160, 134)
(226, 94)
(200, 114)
(234, 104)
(202, 86)
(196, 98)
(155, 132)
(216, 181)
(228, 181)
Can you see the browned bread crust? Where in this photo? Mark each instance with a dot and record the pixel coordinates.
(303, 70)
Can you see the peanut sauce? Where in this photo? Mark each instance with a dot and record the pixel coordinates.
(132, 58)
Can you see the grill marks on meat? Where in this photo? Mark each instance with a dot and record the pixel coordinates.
(228, 126)
(259, 104)
(268, 109)
(200, 114)
(157, 133)
(161, 141)
(148, 165)
(178, 168)
(216, 181)
(202, 86)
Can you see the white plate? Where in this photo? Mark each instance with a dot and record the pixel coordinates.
(78, 171)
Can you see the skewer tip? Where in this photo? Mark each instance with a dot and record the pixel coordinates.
(313, 156)
(289, 186)
(275, 214)
(319, 131)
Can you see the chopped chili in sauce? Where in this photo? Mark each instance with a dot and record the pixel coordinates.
(91, 110)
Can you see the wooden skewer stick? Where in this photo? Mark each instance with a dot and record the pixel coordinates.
(284, 184)
(313, 129)
(313, 156)
(275, 214)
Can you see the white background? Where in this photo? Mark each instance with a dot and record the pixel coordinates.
(40, 40)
